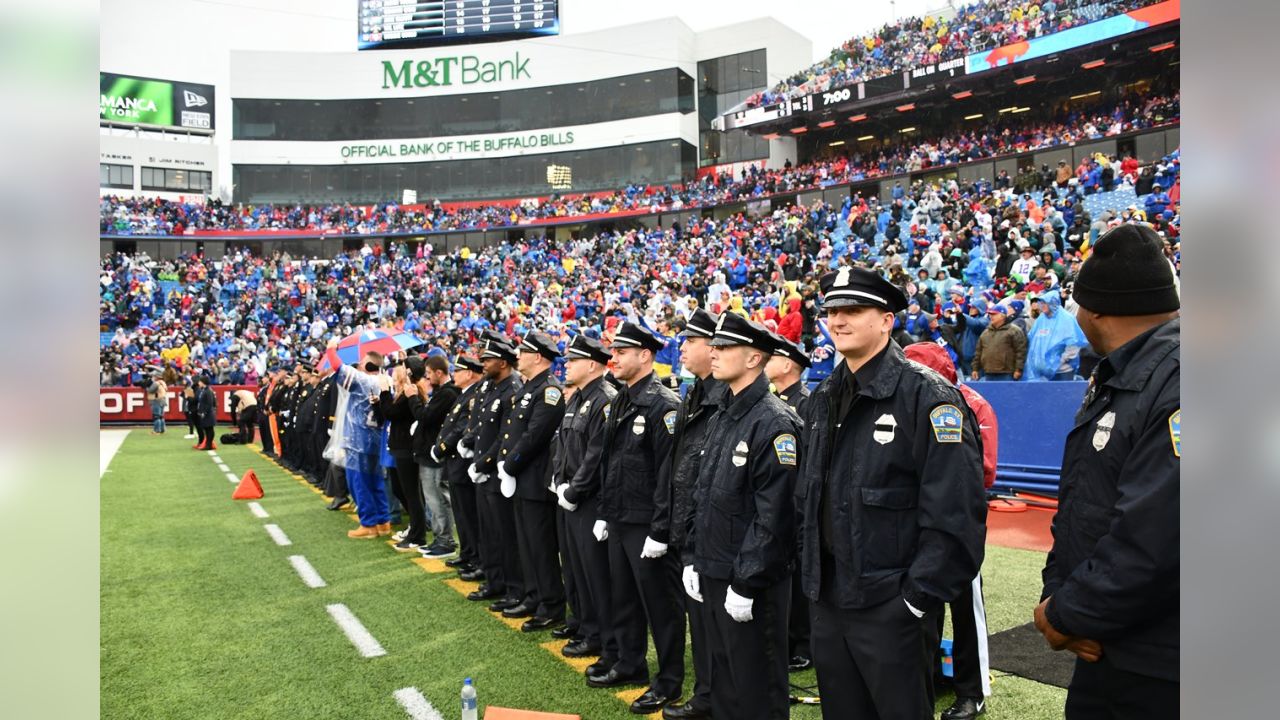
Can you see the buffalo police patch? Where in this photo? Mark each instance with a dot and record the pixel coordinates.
(784, 446)
(948, 424)
(1175, 432)
(552, 395)
(670, 421)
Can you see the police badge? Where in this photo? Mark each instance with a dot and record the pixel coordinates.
(1102, 435)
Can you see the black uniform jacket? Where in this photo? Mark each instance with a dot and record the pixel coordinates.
(900, 480)
(458, 420)
(579, 443)
(430, 415)
(485, 434)
(642, 423)
(671, 524)
(1113, 572)
(743, 525)
(526, 436)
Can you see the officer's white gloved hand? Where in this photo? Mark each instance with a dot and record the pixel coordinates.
(564, 503)
(508, 487)
(465, 451)
(653, 549)
(692, 586)
(435, 453)
(601, 531)
(738, 607)
(476, 476)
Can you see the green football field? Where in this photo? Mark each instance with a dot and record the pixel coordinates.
(205, 615)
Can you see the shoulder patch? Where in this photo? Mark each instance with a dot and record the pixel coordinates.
(1175, 432)
(552, 395)
(948, 424)
(784, 446)
(670, 421)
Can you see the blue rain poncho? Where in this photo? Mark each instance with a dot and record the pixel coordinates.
(1054, 343)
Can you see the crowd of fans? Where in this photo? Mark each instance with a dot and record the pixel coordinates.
(962, 253)
(1011, 134)
(915, 42)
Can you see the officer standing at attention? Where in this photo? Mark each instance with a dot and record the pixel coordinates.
(699, 404)
(579, 448)
(741, 533)
(467, 372)
(892, 512)
(1111, 580)
(784, 371)
(645, 577)
(524, 468)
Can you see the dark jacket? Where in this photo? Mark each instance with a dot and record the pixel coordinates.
(696, 408)
(527, 433)
(743, 524)
(206, 407)
(899, 479)
(307, 410)
(485, 434)
(326, 405)
(430, 415)
(796, 397)
(642, 422)
(1113, 572)
(458, 420)
(579, 444)
(396, 410)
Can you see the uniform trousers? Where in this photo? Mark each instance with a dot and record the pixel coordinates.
(748, 659)
(498, 554)
(466, 516)
(970, 661)
(539, 561)
(646, 589)
(588, 563)
(1101, 691)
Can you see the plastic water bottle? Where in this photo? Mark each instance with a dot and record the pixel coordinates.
(470, 708)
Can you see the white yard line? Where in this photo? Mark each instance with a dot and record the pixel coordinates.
(109, 442)
(223, 467)
(258, 510)
(306, 572)
(277, 534)
(418, 707)
(355, 632)
(232, 478)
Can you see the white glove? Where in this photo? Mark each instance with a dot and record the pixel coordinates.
(465, 451)
(476, 476)
(564, 503)
(601, 531)
(738, 607)
(653, 549)
(508, 488)
(691, 584)
(435, 453)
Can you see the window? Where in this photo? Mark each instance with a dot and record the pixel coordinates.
(115, 176)
(177, 180)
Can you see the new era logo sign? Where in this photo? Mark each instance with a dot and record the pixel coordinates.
(193, 100)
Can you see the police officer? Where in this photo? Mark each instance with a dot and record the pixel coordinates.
(321, 424)
(503, 581)
(579, 448)
(1111, 581)
(265, 392)
(524, 470)
(467, 376)
(697, 407)
(646, 578)
(784, 370)
(742, 528)
(892, 513)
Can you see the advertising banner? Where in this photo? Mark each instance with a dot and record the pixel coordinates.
(130, 100)
(129, 404)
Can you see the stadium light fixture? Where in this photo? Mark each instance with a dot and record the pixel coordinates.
(827, 123)
(866, 137)
(1008, 109)
(1020, 110)
(963, 94)
(906, 108)
(798, 130)
(1082, 96)
(908, 129)
(857, 118)
(1093, 64)
(835, 143)
(1025, 80)
(974, 116)
(1164, 46)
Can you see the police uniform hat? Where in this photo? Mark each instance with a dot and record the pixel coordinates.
(700, 324)
(468, 363)
(587, 348)
(789, 350)
(632, 335)
(859, 287)
(498, 349)
(733, 329)
(539, 342)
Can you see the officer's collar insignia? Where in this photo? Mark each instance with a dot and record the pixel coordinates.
(1102, 435)
(784, 447)
(1175, 432)
(948, 424)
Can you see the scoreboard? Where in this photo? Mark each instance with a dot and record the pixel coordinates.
(390, 24)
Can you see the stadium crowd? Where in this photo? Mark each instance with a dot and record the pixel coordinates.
(1011, 134)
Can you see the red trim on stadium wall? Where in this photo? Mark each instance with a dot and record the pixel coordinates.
(129, 404)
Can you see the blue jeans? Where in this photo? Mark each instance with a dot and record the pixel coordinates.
(368, 488)
(157, 416)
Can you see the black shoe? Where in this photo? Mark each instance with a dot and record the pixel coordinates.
(798, 663)
(456, 563)
(519, 610)
(536, 623)
(687, 711)
(337, 504)
(406, 545)
(564, 633)
(472, 575)
(579, 649)
(438, 549)
(502, 604)
(965, 709)
(483, 593)
(613, 679)
(650, 702)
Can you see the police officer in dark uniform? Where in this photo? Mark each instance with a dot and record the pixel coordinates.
(892, 513)
(646, 578)
(306, 423)
(1111, 580)
(335, 478)
(467, 374)
(503, 580)
(321, 424)
(265, 392)
(785, 371)
(741, 533)
(699, 404)
(579, 447)
(524, 471)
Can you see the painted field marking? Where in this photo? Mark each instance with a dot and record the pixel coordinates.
(258, 510)
(306, 572)
(414, 703)
(355, 631)
(277, 534)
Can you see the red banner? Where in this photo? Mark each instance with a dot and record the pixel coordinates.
(129, 404)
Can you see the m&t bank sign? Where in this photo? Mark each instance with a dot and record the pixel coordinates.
(452, 70)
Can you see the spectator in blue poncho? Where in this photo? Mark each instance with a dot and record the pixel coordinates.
(1055, 341)
(977, 274)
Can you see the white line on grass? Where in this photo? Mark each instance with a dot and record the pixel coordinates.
(232, 478)
(258, 510)
(306, 572)
(277, 534)
(212, 453)
(214, 456)
(355, 632)
(416, 705)
(223, 467)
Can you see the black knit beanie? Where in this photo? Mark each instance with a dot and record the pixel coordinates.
(1127, 274)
